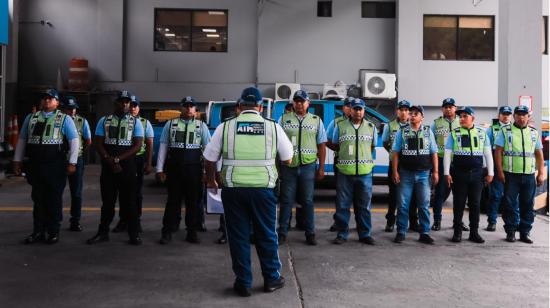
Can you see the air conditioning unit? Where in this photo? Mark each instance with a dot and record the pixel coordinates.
(338, 90)
(379, 85)
(285, 90)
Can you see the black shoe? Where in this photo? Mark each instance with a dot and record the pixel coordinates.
(367, 240)
(511, 237)
(35, 238)
(310, 240)
(491, 227)
(457, 236)
(270, 286)
(426, 239)
(122, 226)
(436, 226)
(135, 240)
(282, 239)
(464, 227)
(192, 237)
(475, 237)
(241, 290)
(333, 228)
(339, 240)
(76, 227)
(53, 238)
(399, 238)
(389, 227)
(165, 238)
(222, 239)
(524, 237)
(98, 238)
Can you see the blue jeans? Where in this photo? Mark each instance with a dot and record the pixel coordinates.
(300, 179)
(419, 183)
(441, 192)
(496, 196)
(519, 194)
(356, 190)
(255, 208)
(75, 185)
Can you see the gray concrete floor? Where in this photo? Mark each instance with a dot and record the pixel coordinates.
(72, 274)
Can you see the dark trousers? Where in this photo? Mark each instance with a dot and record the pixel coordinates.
(392, 204)
(75, 185)
(441, 192)
(246, 210)
(184, 182)
(122, 213)
(48, 180)
(467, 185)
(519, 192)
(120, 185)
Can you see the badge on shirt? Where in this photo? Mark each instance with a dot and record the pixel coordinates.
(250, 128)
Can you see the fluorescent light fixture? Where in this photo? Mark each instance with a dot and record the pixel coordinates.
(216, 13)
(166, 29)
(169, 34)
(212, 35)
(209, 30)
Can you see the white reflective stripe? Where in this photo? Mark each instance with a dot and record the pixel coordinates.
(231, 139)
(271, 175)
(78, 69)
(413, 152)
(306, 151)
(180, 145)
(249, 163)
(467, 153)
(518, 154)
(352, 162)
(228, 175)
(268, 140)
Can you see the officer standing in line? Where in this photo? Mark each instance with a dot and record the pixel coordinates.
(118, 137)
(414, 156)
(70, 107)
(441, 128)
(181, 144)
(388, 136)
(144, 165)
(355, 140)
(43, 139)
(307, 134)
(465, 149)
(496, 190)
(518, 156)
(248, 145)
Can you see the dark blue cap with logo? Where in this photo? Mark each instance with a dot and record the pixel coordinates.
(417, 108)
(300, 95)
(404, 103)
(348, 101)
(134, 100)
(70, 103)
(358, 103)
(468, 110)
(448, 101)
(188, 101)
(52, 93)
(521, 109)
(251, 96)
(124, 95)
(505, 109)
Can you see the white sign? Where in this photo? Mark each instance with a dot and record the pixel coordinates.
(214, 203)
(526, 100)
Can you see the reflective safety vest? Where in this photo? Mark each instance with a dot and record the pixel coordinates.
(442, 129)
(468, 145)
(336, 121)
(45, 139)
(355, 154)
(79, 123)
(144, 122)
(394, 127)
(249, 150)
(119, 131)
(519, 149)
(185, 141)
(303, 135)
(415, 149)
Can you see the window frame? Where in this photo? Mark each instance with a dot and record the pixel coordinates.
(191, 28)
(377, 3)
(545, 21)
(457, 43)
(319, 2)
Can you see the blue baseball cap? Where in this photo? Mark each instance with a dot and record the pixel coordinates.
(521, 109)
(188, 100)
(251, 95)
(358, 103)
(417, 108)
(448, 101)
(300, 94)
(468, 110)
(404, 103)
(70, 103)
(134, 100)
(505, 109)
(124, 95)
(52, 93)
(348, 101)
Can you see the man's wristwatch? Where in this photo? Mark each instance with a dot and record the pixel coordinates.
(116, 160)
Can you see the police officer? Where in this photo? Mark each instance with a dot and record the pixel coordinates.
(465, 148)
(249, 144)
(144, 165)
(388, 136)
(496, 189)
(441, 128)
(414, 156)
(70, 107)
(355, 140)
(307, 134)
(118, 137)
(43, 139)
(518, 157)
(181, 144)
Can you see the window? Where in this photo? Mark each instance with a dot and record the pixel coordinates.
(191, 30)
(459, 38)
(324, 8)
(374, 9)
(545, 33)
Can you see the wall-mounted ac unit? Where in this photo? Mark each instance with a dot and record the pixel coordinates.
(285, 90)
(339, 90)
(379, 85)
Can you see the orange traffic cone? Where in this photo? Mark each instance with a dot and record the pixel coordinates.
(15, 132)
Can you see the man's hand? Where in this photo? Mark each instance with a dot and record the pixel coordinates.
(489, 179)
(161, 177)
(501, 177)
(320, 174)
(71, 169)
(17, 167)
(435, 178)
(147, 169)
(395, 177)
(540, 178)
(449, 180)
